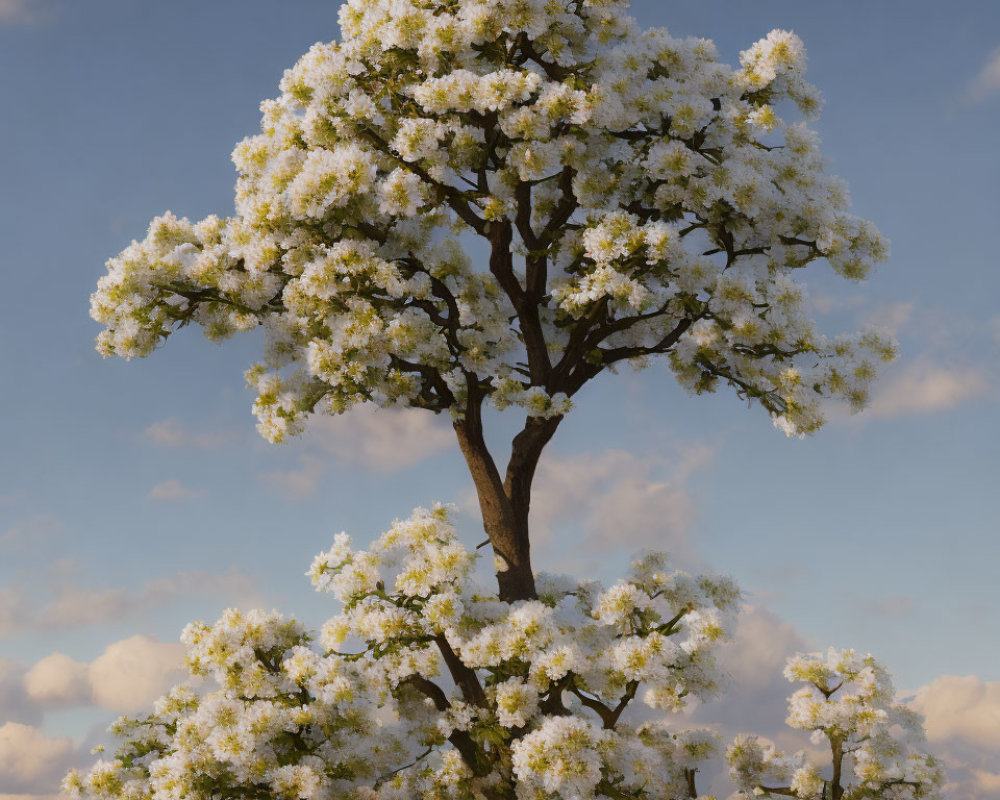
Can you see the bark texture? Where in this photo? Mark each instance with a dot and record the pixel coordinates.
(505, 502)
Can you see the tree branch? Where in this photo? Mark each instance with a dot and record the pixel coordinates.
(460, 740)
(778, 790)
(609, 716)
(552, 70)
(662, 346)
(457, 201)
(593, 704)
(464, 677)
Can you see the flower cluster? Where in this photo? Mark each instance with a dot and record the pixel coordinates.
(847, 704)
(638, 198)
(427, 686)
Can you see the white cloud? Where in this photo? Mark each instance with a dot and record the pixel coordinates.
(891, 606)
(830, 304)
(763, 642)
(616, 499)
(963, 728)
(134, 672)
(965, 708)
(891, 317)
(384, 439)
(173, 433)
(924, 387)
(58, 680)
(14, 609)
(76, 606)
(296, 483)
(987, 81)
(127, 677)
(32, 797)
(757, 699)
(10, 498)
(21, 12)
(15, 704)
(31, 762)
(173, 490)
(32, 530)
(381, 439)
(987, 782)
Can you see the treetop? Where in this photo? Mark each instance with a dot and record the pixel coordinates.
(636, 197)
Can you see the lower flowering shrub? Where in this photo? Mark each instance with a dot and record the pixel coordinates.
(847, 705)
(428, 686)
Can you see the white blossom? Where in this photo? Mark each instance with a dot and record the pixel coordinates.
(847, 704)
(368, 713)
(658, 190)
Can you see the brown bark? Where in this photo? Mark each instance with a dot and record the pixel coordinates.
(837, 747)
(692, 787)
(505, 504)
(526, 450)
(509, 540)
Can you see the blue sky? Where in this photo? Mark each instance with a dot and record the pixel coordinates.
(137, 496)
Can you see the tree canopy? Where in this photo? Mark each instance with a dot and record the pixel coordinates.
(637, 196)
(848, 704)
(632, 197)
(429, 686)
(474, 203)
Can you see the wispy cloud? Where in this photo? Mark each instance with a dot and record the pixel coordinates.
(32, 530)
(71, 605)
(822, 303)
(10, 498)
(15, 608)
(172, 491)
(383, 439)
(23, 12)
(987, 82)
(296, 483)
(893, 606)
(891, 317)
(75, 606)
(174, 433)
(925, 387)
(615, 499)
(993, 329)
(756, 699)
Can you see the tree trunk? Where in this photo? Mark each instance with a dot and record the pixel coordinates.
(836, 790)
(505, 504)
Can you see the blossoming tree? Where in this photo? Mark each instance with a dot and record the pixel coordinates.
(634, 196)
(535, 708)
(537, 702)
(848, 705)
